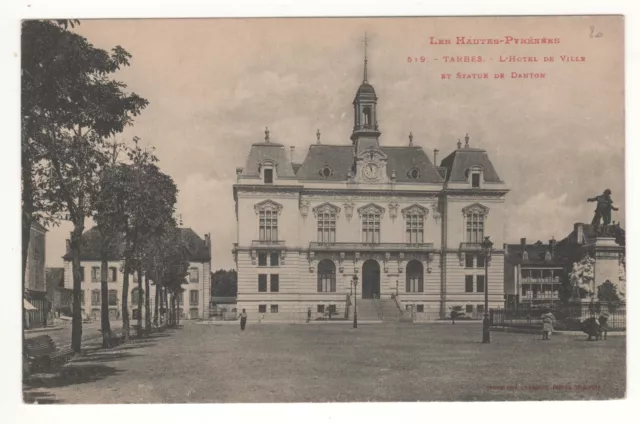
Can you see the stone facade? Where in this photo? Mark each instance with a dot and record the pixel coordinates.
(385, 214)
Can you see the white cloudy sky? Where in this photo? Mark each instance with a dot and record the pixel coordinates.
(213, 85)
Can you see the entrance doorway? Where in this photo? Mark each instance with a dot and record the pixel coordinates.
(370, 279)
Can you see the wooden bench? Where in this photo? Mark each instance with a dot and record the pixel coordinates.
(41, 353)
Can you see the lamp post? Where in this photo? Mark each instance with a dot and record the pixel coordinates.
(486, 249)
(397, 285)
(354, 280)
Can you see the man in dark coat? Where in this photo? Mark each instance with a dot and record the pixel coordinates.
(591, 326)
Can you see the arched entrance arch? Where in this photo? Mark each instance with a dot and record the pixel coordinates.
(415, 277)
(370, 279)
(326, 276)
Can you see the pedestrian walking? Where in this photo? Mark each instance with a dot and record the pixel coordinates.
(547, 325)
(309, 314)
(243, 319)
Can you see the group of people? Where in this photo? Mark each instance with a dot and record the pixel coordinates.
(594, 327)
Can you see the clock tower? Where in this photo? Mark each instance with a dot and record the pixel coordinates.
(365, 119)
(370, 160)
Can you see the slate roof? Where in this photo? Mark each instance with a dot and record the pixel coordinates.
(458, 162)
(536, 254)
(268, 151)
(340, 160)
(405, 158)
(366, 88)
(91, 240)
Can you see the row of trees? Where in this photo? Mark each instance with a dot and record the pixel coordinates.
(72, 109)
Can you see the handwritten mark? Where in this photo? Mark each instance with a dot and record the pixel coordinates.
(593, 33)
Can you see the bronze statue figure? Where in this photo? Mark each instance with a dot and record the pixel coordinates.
(603, 209)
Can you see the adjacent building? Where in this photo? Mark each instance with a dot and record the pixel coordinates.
(194, 301)
(35, 303)
(388, 214)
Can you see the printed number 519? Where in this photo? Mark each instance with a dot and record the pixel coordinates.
(415, 59)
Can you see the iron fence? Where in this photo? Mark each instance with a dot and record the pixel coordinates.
(568, 317)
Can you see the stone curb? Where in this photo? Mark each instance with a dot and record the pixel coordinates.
(286, 322)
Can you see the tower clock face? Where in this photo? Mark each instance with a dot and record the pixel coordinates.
(370, 171)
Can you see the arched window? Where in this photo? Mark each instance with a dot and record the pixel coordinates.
(415, 277)
(366, 116)
(326, 276)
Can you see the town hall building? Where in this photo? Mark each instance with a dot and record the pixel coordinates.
(407, 228)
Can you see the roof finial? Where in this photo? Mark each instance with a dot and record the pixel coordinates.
(318, 135)
(266, 134)
(459, 144)
(366, 43)
(410, 139)
(466, 140)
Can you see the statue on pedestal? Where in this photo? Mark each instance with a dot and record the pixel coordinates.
(603, 209)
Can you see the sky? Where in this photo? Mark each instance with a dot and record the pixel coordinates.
(213, 86)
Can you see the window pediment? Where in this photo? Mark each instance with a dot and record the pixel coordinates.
(476, 209)
(473, 168)
(268, 205)
(372, 154)
(414, 209)
(371, 208)
(326, 208)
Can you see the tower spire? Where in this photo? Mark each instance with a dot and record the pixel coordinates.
(366, 42)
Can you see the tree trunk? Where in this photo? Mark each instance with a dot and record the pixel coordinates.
(178, 308)
(125, 298)
(27, 220)
(139, 305)
(76, 324)
(165, 303)
(156, 319)
(147, 306)
(104, 304)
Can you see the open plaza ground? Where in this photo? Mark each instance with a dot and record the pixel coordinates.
(205, 363)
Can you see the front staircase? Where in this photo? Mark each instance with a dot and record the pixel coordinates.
(378, 310)
(368, 310)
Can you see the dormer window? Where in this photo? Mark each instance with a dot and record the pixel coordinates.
(475, 180)
(268, 176)
(413, 173)
(475, 176)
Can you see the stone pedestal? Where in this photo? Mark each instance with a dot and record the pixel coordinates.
(607, 256)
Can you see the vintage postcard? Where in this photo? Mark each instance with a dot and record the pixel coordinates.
(323, 210)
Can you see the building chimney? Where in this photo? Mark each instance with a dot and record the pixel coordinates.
(552, 246)
(435, 157)
(579, 230)
(292, 149)
(523, 247)
(207, 240)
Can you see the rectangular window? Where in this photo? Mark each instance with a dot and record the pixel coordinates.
(475, 228)
(327, 227)
(82, 273)
(275, 259)
(262, 259)
(262, 282)
(420, 308)
(480, 283)
(268, 176)
(95, 297)
(193, 297)
(524, 289)
(113, 297)
(468, 260)
(468, 283)
(475, 179)
(320, 309)
(194, 275)
(274, 309)
(469, 309)
(480, 261)
(275, 283)
(415, 229)
(95, 274)
(268, 225)
(113, 274)
(262, 309)
(480, 309)
(333, 309)
(371, 228)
